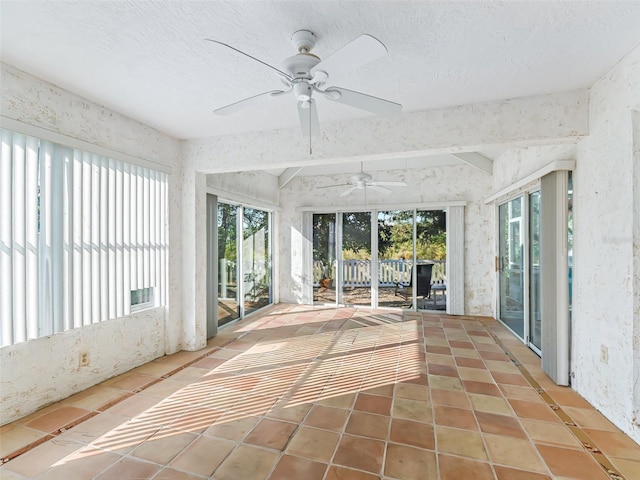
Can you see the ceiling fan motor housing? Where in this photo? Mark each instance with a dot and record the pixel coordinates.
(304, 40)
(361, 177)
(299, 65)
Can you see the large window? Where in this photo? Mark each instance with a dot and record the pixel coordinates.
(83, 238)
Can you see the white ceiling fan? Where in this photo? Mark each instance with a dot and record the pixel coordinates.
(362, 180)
(304, 73)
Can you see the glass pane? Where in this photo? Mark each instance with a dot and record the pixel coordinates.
(256, 259)
(511, 266)
(535, 333)
(431, 256)
(324, 257)
(570, 240)
(395, 258)
(227, 268)
(356, 256)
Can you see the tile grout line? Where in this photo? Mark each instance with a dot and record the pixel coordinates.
(587, 443)
(432, 406)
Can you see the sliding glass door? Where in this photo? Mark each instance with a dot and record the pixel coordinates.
(324, 258)
(356, 258)
(395, 258)
(431, 254)
(387, 258)
(535, 313)
(511, 265)
(244, 261)
(228, 303)
(519, 267)
(256, 269)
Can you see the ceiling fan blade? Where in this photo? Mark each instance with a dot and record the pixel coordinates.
(388, 184)
(337, 185)
(309, 118)
(376, 188)
(246, 103)
(359, 52)
(348, 191)
(278, 71)
(362, 101)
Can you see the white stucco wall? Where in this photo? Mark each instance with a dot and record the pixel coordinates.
(255, 186)
(518, 163)
(436, 186)
(140, 337)
(45, 370)
(605, 314)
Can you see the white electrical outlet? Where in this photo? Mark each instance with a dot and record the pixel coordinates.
(604, 354)
(83, 360)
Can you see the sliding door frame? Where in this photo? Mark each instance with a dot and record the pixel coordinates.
(455, 276)
(526, 261)
(240, 273)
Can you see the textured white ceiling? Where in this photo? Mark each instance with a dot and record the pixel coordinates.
(148, 60)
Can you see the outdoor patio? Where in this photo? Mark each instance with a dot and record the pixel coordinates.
(387, 297)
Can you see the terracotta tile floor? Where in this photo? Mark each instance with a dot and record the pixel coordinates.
(308, 393)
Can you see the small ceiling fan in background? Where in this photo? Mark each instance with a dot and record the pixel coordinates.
(362, 180)
(305, 74)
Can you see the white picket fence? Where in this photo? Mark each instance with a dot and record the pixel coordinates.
(357, 273)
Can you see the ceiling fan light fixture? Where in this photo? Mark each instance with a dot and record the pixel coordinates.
(302, 91)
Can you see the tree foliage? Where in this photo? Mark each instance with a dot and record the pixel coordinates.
(253, 221)
(395, 235)
(227, 215)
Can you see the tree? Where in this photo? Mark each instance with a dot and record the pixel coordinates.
(227, 215)
(356, 232)
(324, 246)
(395, 235)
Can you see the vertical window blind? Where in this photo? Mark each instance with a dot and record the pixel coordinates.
(79, 232)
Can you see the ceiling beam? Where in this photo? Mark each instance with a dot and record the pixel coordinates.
(467, 128)
(476, 160)
(286, 176)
